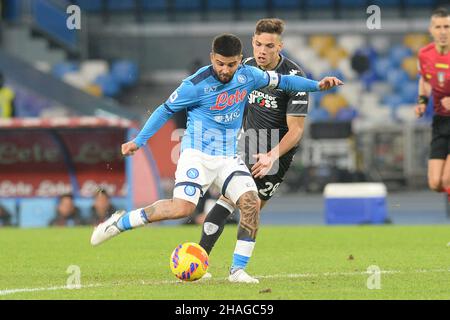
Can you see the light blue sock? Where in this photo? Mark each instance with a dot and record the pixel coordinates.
(242, 253)
(132, 219)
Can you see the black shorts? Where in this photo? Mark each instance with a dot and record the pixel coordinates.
(268, 184)
(440, 141)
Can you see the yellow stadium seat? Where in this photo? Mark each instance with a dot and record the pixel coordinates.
(333, 102)
(334, 55)
(415, 41)
(94, 90)
(321, 43)
(409, 64)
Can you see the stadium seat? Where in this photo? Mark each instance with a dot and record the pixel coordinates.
(36, 212)
(399, 52)
(333, 102)
(286, 4)
(334, 55)
(351, 42)
(153, 5)
(393, 101)
(318, 115)
(60, 69)
(89, 5)
(346, 114)
(220, 5)
(386, 3)
(382, 67)
(381, 44)
(94, 89)
(110, 86)
(10, 206)
(75, 79)
(409, 65)
(91, 69)
(120, 203)
(321, 43)
(320, 4)
(415, 41)
(417, 3)
(121, 5)
(252, 4)
(397, 78)
(125, 72)
(409, 92)
(352, 3)
(185, 5)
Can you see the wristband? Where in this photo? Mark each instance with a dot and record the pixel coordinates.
(423, 100)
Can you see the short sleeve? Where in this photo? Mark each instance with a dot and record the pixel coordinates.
(183, 97)
(298, 100)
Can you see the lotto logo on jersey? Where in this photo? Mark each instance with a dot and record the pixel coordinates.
(224, 99)
(262, 100)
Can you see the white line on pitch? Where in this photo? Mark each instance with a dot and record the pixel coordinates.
(274, 276)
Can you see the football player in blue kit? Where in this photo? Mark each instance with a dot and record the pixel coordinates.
(214, 98)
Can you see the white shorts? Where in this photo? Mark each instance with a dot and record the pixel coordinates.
(196, 171)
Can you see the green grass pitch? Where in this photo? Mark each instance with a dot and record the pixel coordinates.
(292, 262)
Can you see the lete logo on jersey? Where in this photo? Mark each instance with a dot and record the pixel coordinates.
(224, 100)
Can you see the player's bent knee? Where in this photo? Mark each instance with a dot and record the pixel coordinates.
(183, 208)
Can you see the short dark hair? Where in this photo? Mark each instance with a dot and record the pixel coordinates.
(227, 45)
(272, 25)
(440, 13)
(65, 195)
(102, 191)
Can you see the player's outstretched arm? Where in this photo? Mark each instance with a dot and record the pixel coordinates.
(297, 83)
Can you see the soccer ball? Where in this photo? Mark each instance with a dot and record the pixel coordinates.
(189, 261)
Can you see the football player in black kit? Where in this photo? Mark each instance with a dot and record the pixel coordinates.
(272, 127)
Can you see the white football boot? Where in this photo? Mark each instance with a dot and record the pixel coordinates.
(107, 230)
(241, 276)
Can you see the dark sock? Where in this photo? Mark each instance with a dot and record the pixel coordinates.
(214, 224)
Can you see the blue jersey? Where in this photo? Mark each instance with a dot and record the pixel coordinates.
(215, 109)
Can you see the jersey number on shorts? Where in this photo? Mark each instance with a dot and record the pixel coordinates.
(270, 187)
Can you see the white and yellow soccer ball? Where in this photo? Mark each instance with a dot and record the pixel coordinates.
(189, 261)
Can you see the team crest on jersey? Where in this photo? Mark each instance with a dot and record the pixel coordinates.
(192, 173)
(189, 190)
(173, 96)
(242, 78)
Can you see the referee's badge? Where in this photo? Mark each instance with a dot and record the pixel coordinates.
(441, 78)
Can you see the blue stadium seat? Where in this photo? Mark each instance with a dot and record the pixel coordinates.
(386, 3)
(352, 3)
(409, 92)
(181, 5)
(368, 78)
(110, 86)
(121, 5)
(223, 4)
(89, 5)
(397, 78)
(318, 114)
(10, 205)
(60, 69)
(399, 52)
(346, 114)
(382, 67)
(125, 72)
(419, 3)
(253, 4)
(153, 5)
(286, 4)
(325, 4)
(392, 101)
(36, 212)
